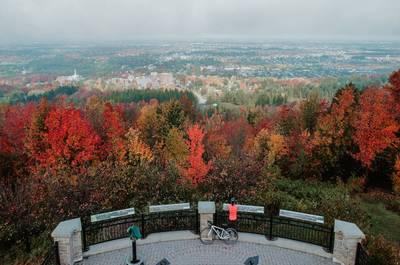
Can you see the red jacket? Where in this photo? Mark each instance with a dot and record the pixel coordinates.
(232, 212)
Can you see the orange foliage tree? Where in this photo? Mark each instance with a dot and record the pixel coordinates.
(375, 124)
(332, 143)
(197, 169)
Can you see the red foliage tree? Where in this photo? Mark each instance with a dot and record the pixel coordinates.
(237, 133)
(69, 140)
(375, 124)
(12, 130)
(394, 88)
(197, 168)
(114, 129)
(394, 84)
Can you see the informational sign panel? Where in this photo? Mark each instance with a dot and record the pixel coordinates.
(112, 215)
(169, 207)
(245, 208)
(302, 216)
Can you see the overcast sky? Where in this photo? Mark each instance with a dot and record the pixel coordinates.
(119, 20)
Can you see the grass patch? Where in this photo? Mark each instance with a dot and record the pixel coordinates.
(383, 221)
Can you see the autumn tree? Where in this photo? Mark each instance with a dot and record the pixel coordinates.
(94, 113)
(188, 107)
(237, 133)
(216, 143)
(113, 129)
(155, 122)
(197, 168)
(288, 120)
(269, 148)
(13, 128)
(68, 141)
(36, 143)
(375, 125)
(332, 145)
(135, 151)
(310, 109)
(175, 150)
(394, 85)
(148, 123)
(17, 221)
(396, 175)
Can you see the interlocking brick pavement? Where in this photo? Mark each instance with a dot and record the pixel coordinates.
(193, 252)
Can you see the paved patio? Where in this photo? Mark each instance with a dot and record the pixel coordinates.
(193, 252)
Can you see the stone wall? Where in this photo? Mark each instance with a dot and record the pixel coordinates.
(347, 236)
(68, 234)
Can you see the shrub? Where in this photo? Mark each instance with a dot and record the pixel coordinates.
(382, 251)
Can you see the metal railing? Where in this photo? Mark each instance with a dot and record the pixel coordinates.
(171, 221)
(313, 233)
(275, 226)
(98, 232)
(52, 257)
(246, 222)
(362, 257)
(102, 231)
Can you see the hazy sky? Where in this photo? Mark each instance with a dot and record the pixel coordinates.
(118, 20)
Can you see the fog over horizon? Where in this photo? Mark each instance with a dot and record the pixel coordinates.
(24, 21)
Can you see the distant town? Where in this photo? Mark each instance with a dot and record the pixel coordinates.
(212, 70)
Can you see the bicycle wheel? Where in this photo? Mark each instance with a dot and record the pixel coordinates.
(207, 240)
(233, 236)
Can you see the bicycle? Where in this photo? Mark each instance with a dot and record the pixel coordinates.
(228, 235)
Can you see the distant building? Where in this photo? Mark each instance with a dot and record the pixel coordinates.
(66, 80)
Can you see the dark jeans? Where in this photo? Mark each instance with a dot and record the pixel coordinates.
(232, 224)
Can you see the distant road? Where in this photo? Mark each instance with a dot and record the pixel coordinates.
(201, 100)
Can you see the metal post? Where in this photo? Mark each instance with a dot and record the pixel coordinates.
(85, 247)
(57, 253)
(197, 223)
(270, 227)
(332, 240)
(143, 225)
(134, 256)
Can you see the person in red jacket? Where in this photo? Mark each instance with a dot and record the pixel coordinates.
(232, 209)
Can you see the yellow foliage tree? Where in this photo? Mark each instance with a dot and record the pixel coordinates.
(135, 151)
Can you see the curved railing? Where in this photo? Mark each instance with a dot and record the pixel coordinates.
(276, 226)
(270, 226)
(102, 231)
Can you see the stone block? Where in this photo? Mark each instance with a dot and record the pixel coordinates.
(68, 234)
(347, 236)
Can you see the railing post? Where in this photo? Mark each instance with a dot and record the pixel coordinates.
(57, 253)
(270, 227)
(332, 239)
(143, 226)
(197, 223)
(84, 226)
